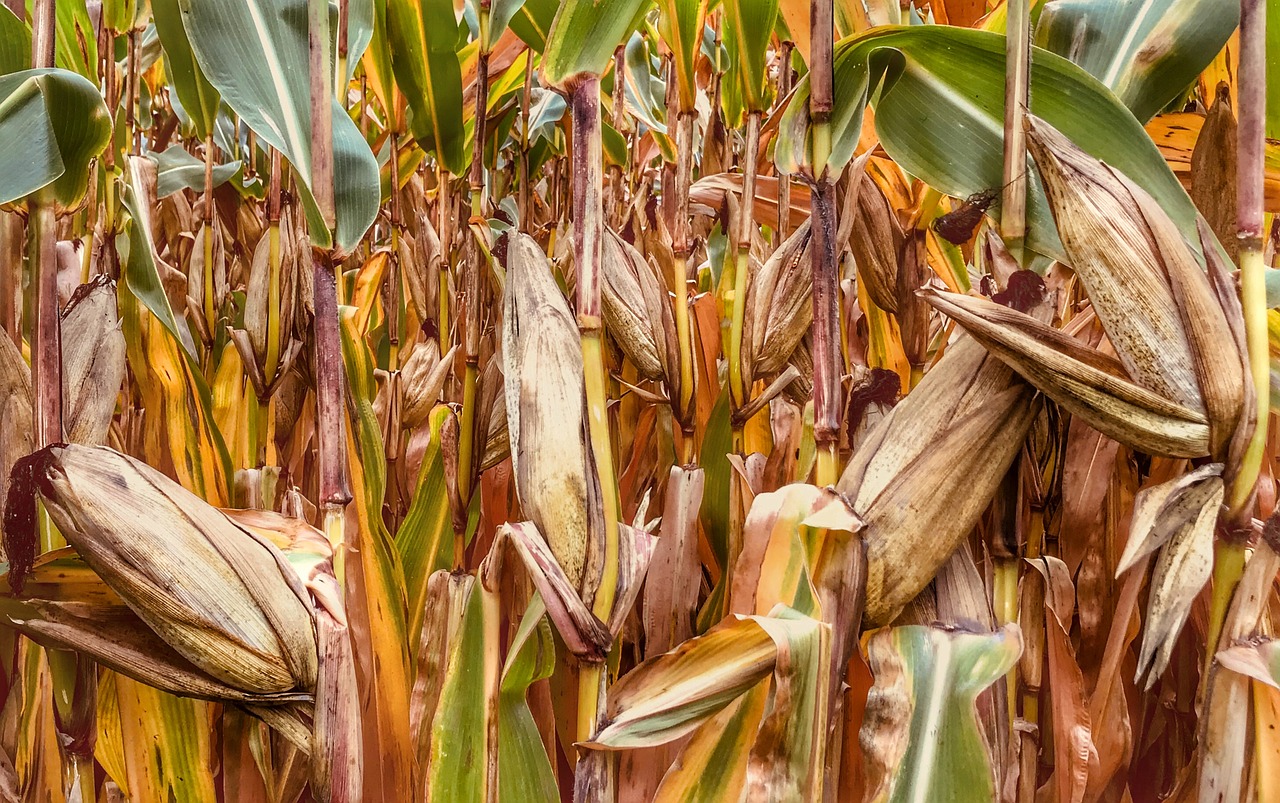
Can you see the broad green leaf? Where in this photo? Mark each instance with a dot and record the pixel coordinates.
(921, 718)
(198, 97)
(76, 40)
(680, 24)
(748, 25)
(422, 35)
(456, 768)
(940, 111)
(360, 22)
(1146, 51)
(524, 769)
(583, 37)
(15, 43)
(254, 52)
(713, 765)
(52, 123)
(146, 274)
(375, 584)
(425, 538)
(532, 22)
(176, 170)
(717, 443)
(500, 14)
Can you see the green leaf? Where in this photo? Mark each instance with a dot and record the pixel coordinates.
(52, 123)
(500, 14)
(176, 170)
(748, 26)
(524, 769)
(15, 43)
(197, 95)
(360, 21)
(717, 443)
(76, 40)
(422, 35)
(1146, 51)
(144, 271)
(939, 100)
(921, 716)
(532, 22)
(425, 538)
(583, 37)
(456, 771)
(255, 53)
(680, 24)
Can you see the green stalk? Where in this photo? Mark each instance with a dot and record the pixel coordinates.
(1229, 554)
(588, 211)
(737, 389)
(470, 441)
(274, 269)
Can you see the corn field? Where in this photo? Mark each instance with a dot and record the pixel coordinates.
(639, 400)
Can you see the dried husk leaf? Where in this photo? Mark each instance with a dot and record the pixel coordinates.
(779, 307)
(93, 362)
(1160, 511)
(221, 596)
(542, 365)
(1082, 380)
(16, 416)
(1214, 169)
(1110, 244)
(637, 312)
(876, 241)
(422, 379)
(923, 477)
(1184, 566)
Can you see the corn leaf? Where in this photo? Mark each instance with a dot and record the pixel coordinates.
(1145, 52)
(198, 97)
(61, 122)
(940, 111)
(583, 37)
(748, 25)
(524, 770)
(422, 37)
(921, 733)
(255, 54)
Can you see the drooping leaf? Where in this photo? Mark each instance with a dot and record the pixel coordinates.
(1146, 52)
(422, 37)
(255, 54)
(177, 170)
(199, 99)
(748, 25)
(940, 111)
(52, 123)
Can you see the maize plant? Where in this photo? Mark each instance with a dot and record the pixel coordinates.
(639, 400)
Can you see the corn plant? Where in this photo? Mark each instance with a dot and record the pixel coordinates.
(645, 400)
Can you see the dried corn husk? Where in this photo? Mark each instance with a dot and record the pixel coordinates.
(220, 595)
(921, 479)
(542, 364)
(637, 311)
(93, 362)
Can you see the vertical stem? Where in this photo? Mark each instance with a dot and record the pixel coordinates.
(131, 98)
(522, 200)
(746, 224)
(1229, 554)
(1013, 204)
(826, 299)
(273, 267)
(470, 440)
(394, 320)
(444, 204)
(784, 180)
(210, 307)
(42, 242)
(321, 112)
(682, 245)
(588, 211)
(1251, 133)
